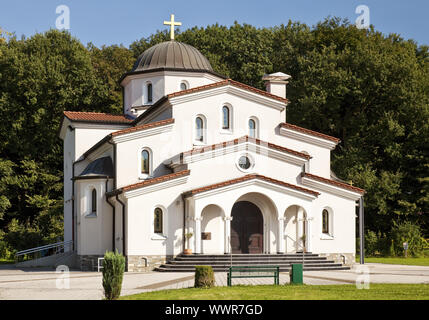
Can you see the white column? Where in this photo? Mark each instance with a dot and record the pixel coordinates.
(309, 234)
(227, 234)
(299, 220)
(190, 228)
(280, 234)
(198, 234)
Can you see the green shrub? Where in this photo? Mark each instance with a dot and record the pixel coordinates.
(371, 243)
(204, 277)
(411, 233)
(113, 273)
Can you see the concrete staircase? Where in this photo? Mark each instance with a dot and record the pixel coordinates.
(312, 262)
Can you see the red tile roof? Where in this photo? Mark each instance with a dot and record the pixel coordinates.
(333, 182)
(241, 140)
(224, 83)
(247, 178)
(143, 127)
(308, 131)
(97, 117)
(150, 182)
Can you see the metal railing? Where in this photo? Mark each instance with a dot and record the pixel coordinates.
(43, 251)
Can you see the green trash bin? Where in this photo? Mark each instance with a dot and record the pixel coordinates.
(296, 274)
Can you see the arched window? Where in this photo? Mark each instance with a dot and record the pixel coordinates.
(157, 221)
(183, 86)
(325, 222)
(225, 118)
(94, 201)
(149, 92)
(199, 129)
(252, 128)
(145, 162)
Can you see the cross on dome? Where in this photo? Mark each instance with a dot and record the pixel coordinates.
(172, 24)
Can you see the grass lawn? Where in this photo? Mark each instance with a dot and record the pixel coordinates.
(406, 261)
(292, 292)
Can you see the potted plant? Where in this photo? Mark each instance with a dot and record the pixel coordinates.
(187, 237)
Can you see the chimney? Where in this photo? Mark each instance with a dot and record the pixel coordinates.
(275, 83)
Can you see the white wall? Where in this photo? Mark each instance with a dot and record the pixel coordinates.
(163, 83)
(94, 232)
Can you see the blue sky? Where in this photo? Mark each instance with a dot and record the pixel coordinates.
(122, 22)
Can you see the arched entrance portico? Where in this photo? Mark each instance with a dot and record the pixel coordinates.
(296, 229)
(247, 228)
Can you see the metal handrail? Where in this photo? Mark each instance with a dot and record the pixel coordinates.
(41, 248)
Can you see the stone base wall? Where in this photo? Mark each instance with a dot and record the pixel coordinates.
(146, 263)
(348, 259)
(142, 263)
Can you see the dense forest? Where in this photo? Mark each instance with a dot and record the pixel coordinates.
(368, 89)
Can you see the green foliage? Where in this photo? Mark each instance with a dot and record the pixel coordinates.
(408, 232)
(392, 251)
(40, 77)
(113, 273)
(371, 243)
(204, 277)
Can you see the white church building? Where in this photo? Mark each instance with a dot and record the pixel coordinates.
(195, 152)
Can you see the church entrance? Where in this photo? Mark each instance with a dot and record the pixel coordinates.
(246, 228)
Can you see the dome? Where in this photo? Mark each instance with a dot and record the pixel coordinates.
(172, 55)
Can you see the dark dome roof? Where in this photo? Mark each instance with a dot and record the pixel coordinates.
(172, 55)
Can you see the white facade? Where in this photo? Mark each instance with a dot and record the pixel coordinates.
(289, 202)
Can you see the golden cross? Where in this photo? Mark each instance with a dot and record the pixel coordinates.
(172, 24)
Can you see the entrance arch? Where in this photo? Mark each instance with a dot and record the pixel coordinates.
(247, 228)
(212, 225)
(295, 227)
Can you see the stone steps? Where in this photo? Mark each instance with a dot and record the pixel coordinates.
(221, 263)
(242, 262)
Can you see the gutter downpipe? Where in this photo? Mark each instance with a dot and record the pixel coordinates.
(73, 200)
(114, 214)
(114, 188)
(184, 223)
(123, 229)
(361, 231)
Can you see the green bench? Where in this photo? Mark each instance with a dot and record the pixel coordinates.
(253, 272)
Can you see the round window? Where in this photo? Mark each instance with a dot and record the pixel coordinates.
(244, 162)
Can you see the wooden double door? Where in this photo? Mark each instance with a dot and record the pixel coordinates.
(246, 228)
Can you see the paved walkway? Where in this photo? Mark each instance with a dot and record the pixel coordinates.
(41, 284)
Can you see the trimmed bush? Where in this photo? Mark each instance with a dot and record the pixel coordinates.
(113, 273)
(204, 277)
